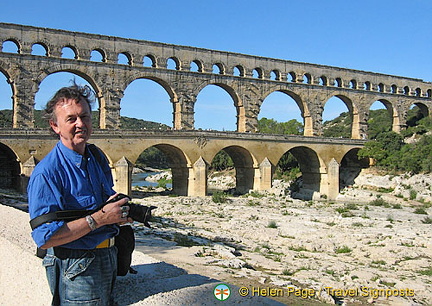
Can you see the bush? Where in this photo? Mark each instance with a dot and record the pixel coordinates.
(219, 197)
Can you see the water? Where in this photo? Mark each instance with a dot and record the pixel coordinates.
(138, 179)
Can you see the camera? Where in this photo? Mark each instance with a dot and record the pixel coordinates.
(137, 212)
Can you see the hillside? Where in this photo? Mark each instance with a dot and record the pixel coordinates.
(126, 122)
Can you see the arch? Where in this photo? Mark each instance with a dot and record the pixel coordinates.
(6, 100)
(418, 92)
(148, 99)
(279, 111)
(292, 77)
(381, 87)
(149, 60)
(258, 73)
(244, 168)
(11, 46)
(333, 112)
(383, 119)
(124, 58)
(307, 78)
(406, 90)
(216, 110)
(197, 66)
(429, 93)
(69, 52)
(275, 75)
(218, 68)
(353, 84)
(350, 168)
(338, 82)
(323, 80)
(239, 71)
(367, 85)
(310, 165)
(10, 168)
(40, 49)
(394, 89)
(98, 55)
(416, 112)
(178, 162)
(173, 63)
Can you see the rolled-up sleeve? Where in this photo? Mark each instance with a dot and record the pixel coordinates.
(43, 198)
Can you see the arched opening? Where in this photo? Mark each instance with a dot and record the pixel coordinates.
(68, 52)
(215, 110)
(280, 113)
(97, 56)
(149, 61)
(196, 66)
(239, 71)
(146, 105)
(173, 63)
(323, 81)
(337, 117)
(124, 59)
(350, 168)
(218, 68)
(394, 89)
(367, 85)
(381, 87)
(418, 119)
(307, 78)
(232, 161)
(6, 102)
(258, 73)
(353, 84)
(338, 82)
(10, 168)
(301, 168)
(380, 118)
(48, 88)
(163, 169)
(39, 49)
(10, 46)
(292, 77)
(275, 75)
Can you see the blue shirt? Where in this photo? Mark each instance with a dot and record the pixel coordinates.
(66, 180)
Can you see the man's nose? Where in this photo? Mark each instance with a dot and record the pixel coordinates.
(79, 122)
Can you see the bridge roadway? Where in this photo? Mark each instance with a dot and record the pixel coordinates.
(325, 163)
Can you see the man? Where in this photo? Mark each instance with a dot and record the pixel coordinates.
(81, 260)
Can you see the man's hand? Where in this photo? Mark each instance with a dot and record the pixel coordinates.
(114, 212)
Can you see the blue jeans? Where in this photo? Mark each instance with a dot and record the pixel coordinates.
(84, 277)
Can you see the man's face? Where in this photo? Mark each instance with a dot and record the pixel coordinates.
(73, 124)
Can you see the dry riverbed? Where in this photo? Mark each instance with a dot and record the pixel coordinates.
(372, 246)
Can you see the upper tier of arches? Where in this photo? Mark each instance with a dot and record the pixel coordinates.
(138, 53)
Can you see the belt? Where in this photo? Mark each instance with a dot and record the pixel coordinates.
(106, 243)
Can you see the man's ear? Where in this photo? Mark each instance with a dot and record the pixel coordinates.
(54, 126)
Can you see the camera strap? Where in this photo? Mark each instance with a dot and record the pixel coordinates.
(66, 215)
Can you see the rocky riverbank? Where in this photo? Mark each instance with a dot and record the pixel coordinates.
(373, 245)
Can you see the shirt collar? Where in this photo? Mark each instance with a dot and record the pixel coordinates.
(74, 157)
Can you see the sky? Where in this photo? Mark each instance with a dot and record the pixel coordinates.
(386, 36)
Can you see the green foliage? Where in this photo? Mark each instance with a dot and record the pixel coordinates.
(271, 126)
(221, 161)
(219, 197)
(338, 127)
(152, 157)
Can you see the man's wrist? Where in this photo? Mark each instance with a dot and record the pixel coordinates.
(91, 222)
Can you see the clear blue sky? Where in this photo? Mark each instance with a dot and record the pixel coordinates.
(386, 36)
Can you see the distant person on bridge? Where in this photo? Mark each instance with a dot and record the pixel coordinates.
(81, 259)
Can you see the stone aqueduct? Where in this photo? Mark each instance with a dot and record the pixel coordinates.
(247, 79)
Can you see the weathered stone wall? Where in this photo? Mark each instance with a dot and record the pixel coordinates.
(248, 79)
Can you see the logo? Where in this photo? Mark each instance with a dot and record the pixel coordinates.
(222, 292)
